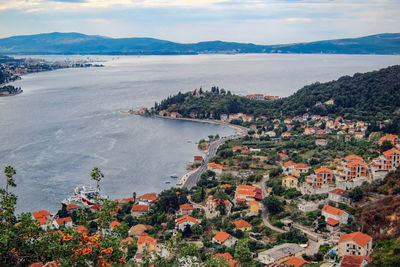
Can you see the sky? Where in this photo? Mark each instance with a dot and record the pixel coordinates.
(187, 21)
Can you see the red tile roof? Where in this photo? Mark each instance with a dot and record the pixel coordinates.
(226, 186)
(353, 261)
(289, 163)
(146, 240)
(140, 208)
(186, 207)
(149, 196)
(353, 157)
(241, 224)
(296, 262)
(40, 213)
(214, 165)
(323, 169)
(332, 222)
(226, 255)
(221, 236)
(333, 210)
(358, 237)
(186, 218)
(391, 151)
(337, 191)
(64, 220)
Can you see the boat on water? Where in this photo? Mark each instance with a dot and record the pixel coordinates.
(174, 176)
(85, 195)
(167, 182)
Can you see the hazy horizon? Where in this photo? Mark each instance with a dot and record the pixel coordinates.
(189, 21)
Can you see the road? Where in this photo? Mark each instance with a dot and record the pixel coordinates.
(212, 150)
(264, 212)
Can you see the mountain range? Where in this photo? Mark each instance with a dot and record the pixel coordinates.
(77, 43)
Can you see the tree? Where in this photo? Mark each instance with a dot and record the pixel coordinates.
(97, 175)
(273, 204)
(243, 253)
(356, 194)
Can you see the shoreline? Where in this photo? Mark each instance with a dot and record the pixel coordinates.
(238, 129)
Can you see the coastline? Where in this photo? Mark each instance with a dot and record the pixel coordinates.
(237, 128)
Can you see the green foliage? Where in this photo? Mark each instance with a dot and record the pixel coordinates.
(356, 194)
(273, 204)
(242, 252)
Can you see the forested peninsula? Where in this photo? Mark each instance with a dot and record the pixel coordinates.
(372, 96)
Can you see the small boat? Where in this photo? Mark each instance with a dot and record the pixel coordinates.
(174, 176)
(167, 182)
(85, 195)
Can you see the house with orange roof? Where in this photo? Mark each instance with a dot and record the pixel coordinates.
(332, 224)
(149, 198)
(288, 167)
(227, 257)
(387, 161)
(355, 261)
(337, 196)
(215, 167)
(185, 220)
(297, 262)
(139, 230)
(163, 113)
(213, 203)
(67, 222)
(283, 156)
(300, 168)
(288, 121)
(356, 243)
(247, 193)
(290, 181)
(322, 176)
(334, 213)
(224, 239)
(242, 225)
(392, 138)
(186, 209)
(139, 210)
(146, 243)
(71, 207)
(309, 131)
(286, 135)
(43, 217)
(351, 167)
(321, 142)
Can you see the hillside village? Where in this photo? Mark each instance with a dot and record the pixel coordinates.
(288, 193)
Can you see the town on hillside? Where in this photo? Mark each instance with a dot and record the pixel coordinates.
(295, 191)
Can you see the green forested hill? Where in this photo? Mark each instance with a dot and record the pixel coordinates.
(370, 96)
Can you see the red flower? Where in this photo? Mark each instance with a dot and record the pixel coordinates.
(103, 263)
(87, 251)
(67, 237)
(72, 256)
(97, 244)
(79, 252)
(107, 251)
(122, 260)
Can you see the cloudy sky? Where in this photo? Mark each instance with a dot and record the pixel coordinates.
(257, 21)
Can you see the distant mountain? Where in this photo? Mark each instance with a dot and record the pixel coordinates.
(77, 43)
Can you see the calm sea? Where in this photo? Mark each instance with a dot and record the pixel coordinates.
(68, 121)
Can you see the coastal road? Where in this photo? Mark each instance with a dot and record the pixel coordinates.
(212, 150)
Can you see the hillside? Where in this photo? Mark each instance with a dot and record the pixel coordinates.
(370, 96)
(77, 43)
